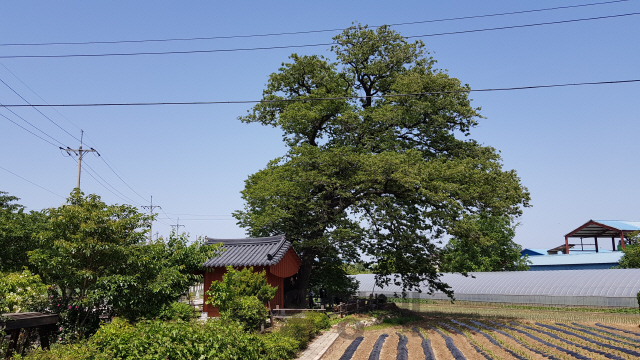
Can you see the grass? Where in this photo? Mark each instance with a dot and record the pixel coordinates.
(535, 313)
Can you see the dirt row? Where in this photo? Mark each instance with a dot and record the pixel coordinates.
(506, 348)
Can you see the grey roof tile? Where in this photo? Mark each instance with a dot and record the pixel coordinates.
(265, 251)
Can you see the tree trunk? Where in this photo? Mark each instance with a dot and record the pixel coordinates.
(301, 289)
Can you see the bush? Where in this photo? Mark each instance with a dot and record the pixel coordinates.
(21, 292)
(320, 320)
(178, 311)
(279, 346)
(301, 329)
(155, 339)
(241, 296)
(248, 310)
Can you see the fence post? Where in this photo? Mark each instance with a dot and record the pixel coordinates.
(341, 309)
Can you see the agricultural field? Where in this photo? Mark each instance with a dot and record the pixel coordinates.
(440, 335)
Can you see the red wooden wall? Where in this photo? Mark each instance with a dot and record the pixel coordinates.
(288, 266)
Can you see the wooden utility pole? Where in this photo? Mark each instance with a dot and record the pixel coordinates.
(79, 152)
(177, 226)
(151, 207)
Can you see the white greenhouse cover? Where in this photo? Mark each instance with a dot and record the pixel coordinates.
(608, 287)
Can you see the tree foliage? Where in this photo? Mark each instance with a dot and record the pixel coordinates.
(485, 245)
(96, 258)
(631, 257)
(21, 292)
(17, 230)
(385, 174)
(241, 296)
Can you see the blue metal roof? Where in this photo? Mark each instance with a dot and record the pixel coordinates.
(533, 252)
(621, 225)
(577, 258)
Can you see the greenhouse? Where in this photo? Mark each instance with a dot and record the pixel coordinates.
(598, 288)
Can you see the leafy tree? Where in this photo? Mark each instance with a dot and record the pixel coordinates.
(631, 257)
(330, 274)
(17, 230)
(241, 296)
(96, 257)
(485, 244)
(379, 159)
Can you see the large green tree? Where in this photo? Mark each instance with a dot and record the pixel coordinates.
(486, 244)
(17, 230)
(97, 260)
(631, 257)
(379, 159)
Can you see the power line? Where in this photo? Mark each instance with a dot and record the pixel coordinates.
(113, 187)
(35, 127)
(40, 97)
(307, 45)
(332, 98)
(31, 182)
(29, 131)
(56, 110)
(121, 179)
(38, 110)
(307, 31)
(202, 219)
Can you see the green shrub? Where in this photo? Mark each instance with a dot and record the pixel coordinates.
(301, 329)
(178, 311)
(241, 296)
(279, 346)
(21, 292)
(248, 310)
(155, 339)
(320, 320)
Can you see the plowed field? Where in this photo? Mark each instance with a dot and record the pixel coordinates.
(468, 338)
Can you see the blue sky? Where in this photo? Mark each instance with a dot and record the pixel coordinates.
(573, 147)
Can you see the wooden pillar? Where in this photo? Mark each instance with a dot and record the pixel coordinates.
(596, 241)
(613, 243)
(566, 245)
(622, 239)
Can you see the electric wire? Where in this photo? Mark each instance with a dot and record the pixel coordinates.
(31, 182)
(121, 179)
(38, 110)
(111, 186)
(40, 97)
(176, 52)
(89, 171)
(35, 127)
(335, 98)
(309, 31)
(101, 156)
(29, 131)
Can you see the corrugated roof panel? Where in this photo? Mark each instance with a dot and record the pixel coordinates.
(621, 224)
(598, 283)
(575, 259)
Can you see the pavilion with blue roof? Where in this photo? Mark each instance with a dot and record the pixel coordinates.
(598, 229)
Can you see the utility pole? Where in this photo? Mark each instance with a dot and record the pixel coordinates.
(79, 152)
(151, 207)
(177, 226)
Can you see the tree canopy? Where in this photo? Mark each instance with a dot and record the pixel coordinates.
(97, 260)
(487, 245)
(380, 161)
(631, 257)
(17, 233)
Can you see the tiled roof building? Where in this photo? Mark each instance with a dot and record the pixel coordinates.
(272, 254)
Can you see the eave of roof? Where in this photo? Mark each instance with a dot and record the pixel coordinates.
(264, 251)
(604, 228)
